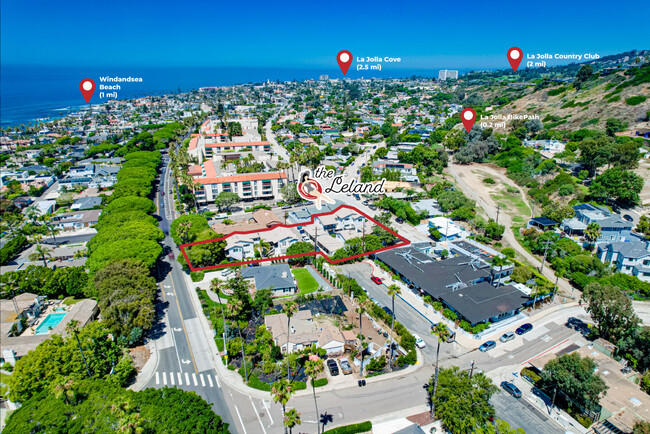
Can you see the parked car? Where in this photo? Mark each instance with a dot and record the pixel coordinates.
(524, 328)
(507, 337)
(511, 389)
(376, 279)
(399, 220)
(345, 367)
(171, 255)
(628, 217)
(287, 207)
(388, 311)
(487, 346)
(419, 342)
(333, 367)
(372, 207)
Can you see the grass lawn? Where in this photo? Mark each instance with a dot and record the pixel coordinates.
(69, 301)
(512, 202)
(306, 282)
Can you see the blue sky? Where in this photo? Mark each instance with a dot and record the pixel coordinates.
(305, 34)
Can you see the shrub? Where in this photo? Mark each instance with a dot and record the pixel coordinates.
(510, 253)
(351, 429)
(635, 100)
(319, 383)
(256, 383)
(531, 374)
(450, 315)
(299, 385)
(489, 181)
(437, 305)
(409, 359)
(566, 190)
(197, 276)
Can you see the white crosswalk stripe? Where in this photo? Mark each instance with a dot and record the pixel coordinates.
(176, 379)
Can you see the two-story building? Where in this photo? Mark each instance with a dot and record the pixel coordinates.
(612, 227)
(631, 257)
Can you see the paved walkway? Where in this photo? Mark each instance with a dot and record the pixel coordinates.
(322, 283)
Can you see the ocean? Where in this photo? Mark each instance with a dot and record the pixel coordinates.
(28, 93)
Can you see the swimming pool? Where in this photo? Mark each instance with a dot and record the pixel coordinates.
(50, 321)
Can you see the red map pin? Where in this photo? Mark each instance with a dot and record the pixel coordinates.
(87, 87)
(514, 57)
(468, 117)
(345, 60)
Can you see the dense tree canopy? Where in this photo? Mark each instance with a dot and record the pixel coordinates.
(44, 281)
(82, 406)
(59, 357)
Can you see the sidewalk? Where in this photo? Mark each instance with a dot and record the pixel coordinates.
(148, 369)
(321, 281)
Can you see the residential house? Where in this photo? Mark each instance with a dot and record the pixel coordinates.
(631, 257)
(447, 228)
(69, 221)
(84, 203)
(304, 332)
(277, 278)
(612, 227)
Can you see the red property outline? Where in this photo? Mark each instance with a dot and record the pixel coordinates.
(404, 242)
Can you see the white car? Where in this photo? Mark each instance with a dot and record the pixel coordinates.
(419, 342)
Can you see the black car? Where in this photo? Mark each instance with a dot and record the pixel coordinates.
(628, 217)
(333, 367)
(511, 389)
(399, 220)
(524, 328)
(388, 311)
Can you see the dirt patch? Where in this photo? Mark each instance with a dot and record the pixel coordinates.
(421, 419)
(140, 355)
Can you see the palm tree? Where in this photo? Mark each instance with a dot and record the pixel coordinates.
(46, 219)
(66, 390)
(262, 248)
(183, 230)
(312, 369)
(393, 290)
(289, 309)
(215, 285)
(41, 253)
(592, 232)
(282, 391)
(443, 333)
(361, 310)
(72, 329)
(291, 419)
(235, 307)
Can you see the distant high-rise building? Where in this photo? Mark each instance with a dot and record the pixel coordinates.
(324, 77)
(445, 74)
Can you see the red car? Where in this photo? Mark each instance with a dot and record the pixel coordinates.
(376, 279)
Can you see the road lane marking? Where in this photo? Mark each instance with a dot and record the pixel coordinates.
(268, 410)
(164, 378)
(157, 378)
(241, 422)
(189, 346)
(216, 377)
(180, 379)
(194, 378)
(168, 324)
(257, 414)
(187, 378)
(542, 353)
(202, 381)
(171, 378)
(210, 380)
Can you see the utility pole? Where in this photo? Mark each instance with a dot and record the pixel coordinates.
(498, 210)
(471, 370)
(363, 238)
(547, 243)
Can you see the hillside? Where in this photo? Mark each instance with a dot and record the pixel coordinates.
(623, 94)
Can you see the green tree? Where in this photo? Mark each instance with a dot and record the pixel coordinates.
(584, 73)
(289, 309)
(592, 232)
(617, 184)
(463, 403)
(455, 140)
(282, 390)
(644, 226)
(41, 253)
(313, 367)
(613, 125)
(226, 199)
(442, 332)
(576, 378)
(291, 419)
(126, 294)
(393, 290)
(298, 248)
(494, 230)
(610, 309)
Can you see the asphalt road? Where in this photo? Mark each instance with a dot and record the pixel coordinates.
(520, 413)
(70, 239)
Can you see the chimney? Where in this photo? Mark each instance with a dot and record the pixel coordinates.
(284, 274)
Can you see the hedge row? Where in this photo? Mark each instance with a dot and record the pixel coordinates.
(351, 429)
(319, 383)
(12, 248)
